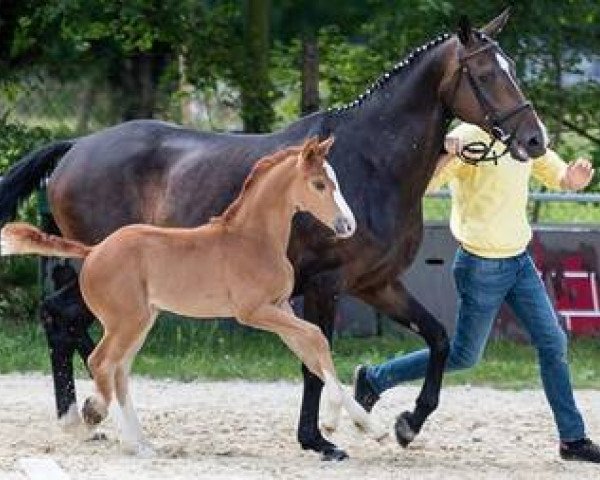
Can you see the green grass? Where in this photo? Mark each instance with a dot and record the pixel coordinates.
(187, 350)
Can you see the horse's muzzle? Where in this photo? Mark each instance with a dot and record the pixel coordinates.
(343, 227)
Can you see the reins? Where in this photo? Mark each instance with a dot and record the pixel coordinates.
(474, 153)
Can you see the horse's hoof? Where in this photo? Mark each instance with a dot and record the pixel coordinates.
(328, 451)
(334, 455)
(93, 411)
(404, 432)
(97, 437)
(140, 450)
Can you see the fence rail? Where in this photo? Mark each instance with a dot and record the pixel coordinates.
(541, 196)
(543, 207)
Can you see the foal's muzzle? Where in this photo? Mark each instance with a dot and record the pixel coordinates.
(343, 226)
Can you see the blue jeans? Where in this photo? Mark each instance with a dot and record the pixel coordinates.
(482, 285)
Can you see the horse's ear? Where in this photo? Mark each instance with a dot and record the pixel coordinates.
(465, 31)
(309, 156)
(325, 145)
(497, 24)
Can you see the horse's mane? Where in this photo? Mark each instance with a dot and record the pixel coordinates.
(261, 167)
(386, 77)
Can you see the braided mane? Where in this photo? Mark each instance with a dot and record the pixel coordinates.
(386, 77)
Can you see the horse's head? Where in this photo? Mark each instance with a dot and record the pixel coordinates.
(317, 190)
(480, 87)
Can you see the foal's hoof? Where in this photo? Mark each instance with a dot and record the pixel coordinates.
(93, 411)
(404, 431)
(97, 436)
(142, 449)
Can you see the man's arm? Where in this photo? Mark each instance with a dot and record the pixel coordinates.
(554, 173)
(578, 175)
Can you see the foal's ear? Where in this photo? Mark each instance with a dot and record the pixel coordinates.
(325, 145)
(497, 24)
(465, 30)
(310, 156)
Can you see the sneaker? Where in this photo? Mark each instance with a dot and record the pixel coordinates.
(363, 392)
(583, 450)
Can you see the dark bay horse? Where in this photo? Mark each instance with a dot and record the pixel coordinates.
(387, 145)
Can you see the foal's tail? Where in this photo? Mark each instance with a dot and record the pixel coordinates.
(25, 176)
(22, 238)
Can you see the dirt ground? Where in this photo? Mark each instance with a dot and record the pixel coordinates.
(244, 430)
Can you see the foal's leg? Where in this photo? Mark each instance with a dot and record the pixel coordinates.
(310, 345)
(102, 364)
(120, 337)
(132, 436)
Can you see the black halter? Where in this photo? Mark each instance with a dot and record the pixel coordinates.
(476, 152)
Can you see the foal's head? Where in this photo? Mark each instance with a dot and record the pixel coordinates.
(316, 189)
(480, 87)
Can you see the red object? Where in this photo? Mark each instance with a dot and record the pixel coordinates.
(575, 289)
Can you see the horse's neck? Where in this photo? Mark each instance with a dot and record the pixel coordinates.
(402, 123)
(266, 210)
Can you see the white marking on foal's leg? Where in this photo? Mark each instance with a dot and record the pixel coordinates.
(130, 429)
(131, 434)
(330, 417)
(362, 418)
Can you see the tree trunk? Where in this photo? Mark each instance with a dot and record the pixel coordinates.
(310, 73)
(137, 80)
(86, 102)
(257, 112)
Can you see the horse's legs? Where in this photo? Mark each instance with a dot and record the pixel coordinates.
(319, 309)
(394, 300)
(102, 364)
(132, 436)
(65, 319)
(310, 345)
(61, 357)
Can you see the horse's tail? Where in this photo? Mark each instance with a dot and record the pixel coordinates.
(22, 238)
(25, 175)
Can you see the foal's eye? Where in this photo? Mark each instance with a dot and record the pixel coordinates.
(319, 185)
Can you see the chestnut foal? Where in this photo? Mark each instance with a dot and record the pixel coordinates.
(234, 266)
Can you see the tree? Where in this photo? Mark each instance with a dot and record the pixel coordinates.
(128, 43)
(257, 111)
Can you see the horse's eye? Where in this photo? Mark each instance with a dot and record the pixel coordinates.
(319, 185)
(483, 78)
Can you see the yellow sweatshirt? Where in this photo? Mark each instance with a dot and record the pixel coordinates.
(489, 202)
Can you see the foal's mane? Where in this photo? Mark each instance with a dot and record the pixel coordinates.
(264, 165)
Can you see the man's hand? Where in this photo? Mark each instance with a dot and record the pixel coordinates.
(578, 175)
(453, 145)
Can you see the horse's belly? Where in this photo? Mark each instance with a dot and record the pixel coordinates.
(201, 306)
(202, 301)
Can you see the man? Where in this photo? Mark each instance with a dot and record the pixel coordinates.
(489, 220)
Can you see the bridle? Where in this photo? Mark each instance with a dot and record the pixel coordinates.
(476, 152)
